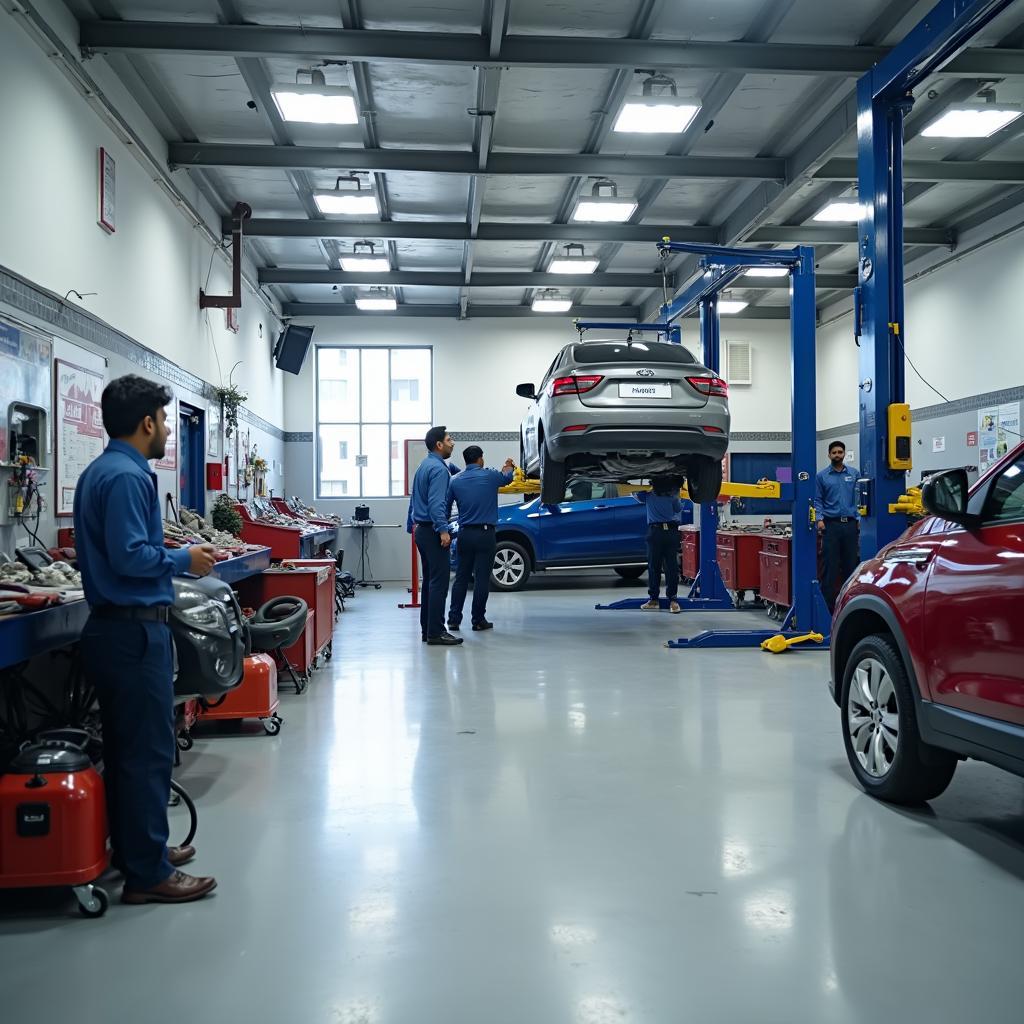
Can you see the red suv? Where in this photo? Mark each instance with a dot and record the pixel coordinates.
(928, 641)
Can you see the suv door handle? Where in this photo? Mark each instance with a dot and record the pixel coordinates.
(919, 557)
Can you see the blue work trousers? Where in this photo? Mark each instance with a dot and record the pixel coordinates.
(476, 560)
(130, 665)
(436, 571)
(663, 556)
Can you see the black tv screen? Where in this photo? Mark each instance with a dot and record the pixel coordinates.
(292, 347)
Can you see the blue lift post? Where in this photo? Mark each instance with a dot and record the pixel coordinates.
(883, 99)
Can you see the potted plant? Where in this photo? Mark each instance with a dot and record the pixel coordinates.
(231, 399)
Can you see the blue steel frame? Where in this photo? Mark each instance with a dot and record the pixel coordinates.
(883, 99)
(722, 266)
(672, 332)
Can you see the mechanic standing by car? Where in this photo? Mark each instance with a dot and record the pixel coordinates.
(429, 510)
(665, 514)
(475, 491)
(126, 644)
(835, 508)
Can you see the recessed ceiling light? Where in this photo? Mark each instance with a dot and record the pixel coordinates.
(731, 306)
(843, 210)
(976, 122)
(767, 272)
(575, 261)
(364, 260)
(550, 301)
(377, 300)
(351, 202)
(316, 103)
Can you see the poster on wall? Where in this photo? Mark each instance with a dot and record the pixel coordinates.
(107, 213)
(213, 431)
(79, 429)
(231, 457)
(170, 459)
(998, 432)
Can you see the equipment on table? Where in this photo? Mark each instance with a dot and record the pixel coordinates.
(210, 639)
(278, 624)
(255, 697)
(779, 644)
(365, 570)
(362, 514)
(53, 823)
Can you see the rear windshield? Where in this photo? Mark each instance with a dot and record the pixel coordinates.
(638, 352)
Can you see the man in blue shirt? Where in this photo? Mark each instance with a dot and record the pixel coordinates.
(475, 491)
(665, 514)
(835, 509)
(429, 510)
(126, 644)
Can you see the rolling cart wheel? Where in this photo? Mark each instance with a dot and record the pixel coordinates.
(185, 741)
(329, 652)
(302, 684)
(315, 663)
(272, 725)
(92, 900)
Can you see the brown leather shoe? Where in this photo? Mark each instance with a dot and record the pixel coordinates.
(180, 855)
(179, 888)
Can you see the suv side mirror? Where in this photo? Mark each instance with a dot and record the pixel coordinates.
(945, 495)
(526, 391)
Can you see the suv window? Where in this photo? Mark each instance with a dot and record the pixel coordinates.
(590, 490)
(550, 372)
(638, 353)
(1005, 503)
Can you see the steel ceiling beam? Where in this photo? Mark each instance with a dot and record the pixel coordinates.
(561, 165)
(317, 309)
(1001, 172)
(467, 49)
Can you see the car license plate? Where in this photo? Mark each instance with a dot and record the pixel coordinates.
(645, 391)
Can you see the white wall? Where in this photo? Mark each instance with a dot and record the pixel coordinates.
(964, 332)
(148, 274)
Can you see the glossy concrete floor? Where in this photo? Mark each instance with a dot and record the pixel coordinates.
(560, 823)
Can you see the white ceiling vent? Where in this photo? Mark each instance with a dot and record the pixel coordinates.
(739, 362)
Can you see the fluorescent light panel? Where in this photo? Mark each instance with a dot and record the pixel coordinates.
(572, 265)
(549, 305)
(731, 306)
(316, 104)
(600, 210)
(845, 211)
(971, 122)
(365, 264)
(377, 304)
(656, 117)
(352, 204)
(767, 272)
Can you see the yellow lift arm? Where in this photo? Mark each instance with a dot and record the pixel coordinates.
(910, 503)
(522, 484)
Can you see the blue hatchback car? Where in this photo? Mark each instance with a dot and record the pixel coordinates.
(593, 527)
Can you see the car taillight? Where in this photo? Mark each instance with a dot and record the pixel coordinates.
(575, 385)
(709, 386)
(575, 427)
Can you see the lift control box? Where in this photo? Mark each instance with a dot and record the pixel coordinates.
(899, 437)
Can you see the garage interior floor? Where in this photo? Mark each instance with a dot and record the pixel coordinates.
(562, 822)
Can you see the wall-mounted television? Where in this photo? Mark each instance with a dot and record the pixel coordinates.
(291, 348)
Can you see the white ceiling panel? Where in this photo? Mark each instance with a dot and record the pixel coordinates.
(698, 19)
(507, 255)
(432, 255)
(839, 24)
(571, 17)
(423, 15)
(423, 106)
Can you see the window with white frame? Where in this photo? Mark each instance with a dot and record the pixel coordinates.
(370, 401)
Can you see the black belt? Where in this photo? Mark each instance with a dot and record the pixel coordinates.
(842, 519)
(427, 523)
(158, 613)
(476, 526)
(662, 526)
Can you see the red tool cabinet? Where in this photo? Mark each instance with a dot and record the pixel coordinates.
(314, 583)
(776, 572)
(283, 541)
(739, 559)
(690, 555)
(255, 697)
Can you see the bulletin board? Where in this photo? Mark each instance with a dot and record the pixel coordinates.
(79, 428)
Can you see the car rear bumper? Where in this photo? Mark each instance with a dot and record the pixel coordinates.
(621, 441)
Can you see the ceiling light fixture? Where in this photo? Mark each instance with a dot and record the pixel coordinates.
(844, 211)
(730, 307)
(977, 121)
(657, 114)
(549, 300)
(359, 261)
(350, 202)
(575, 261)
(377, 300)
(603, 205)
(317, 102)
(767, 272)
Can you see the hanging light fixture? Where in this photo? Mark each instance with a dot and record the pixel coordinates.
(575, 261)
(603, 205)
(974, 120)
(364, 260)
(350, 202)
(377, 300)
(315, 102)
(550, 300)
(657, 113)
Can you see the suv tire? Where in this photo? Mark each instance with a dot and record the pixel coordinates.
(880, 731)
(552, 477)
(511, 567)
(703, 479)
(630, 572)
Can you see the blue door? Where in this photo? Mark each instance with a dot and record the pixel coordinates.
(578, 531)
(191, 465)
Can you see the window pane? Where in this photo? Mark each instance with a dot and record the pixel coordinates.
(400, 433)
(378, 461)
(411, 387)
(339, 384)
(376, 407)
(1006, 500)
(338, 473)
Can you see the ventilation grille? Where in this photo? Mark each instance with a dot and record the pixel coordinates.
(739, 363)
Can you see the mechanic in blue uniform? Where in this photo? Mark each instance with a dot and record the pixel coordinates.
(475, 491)
(666, 512)
(429, 511)
(835, 508)
(126, 644)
